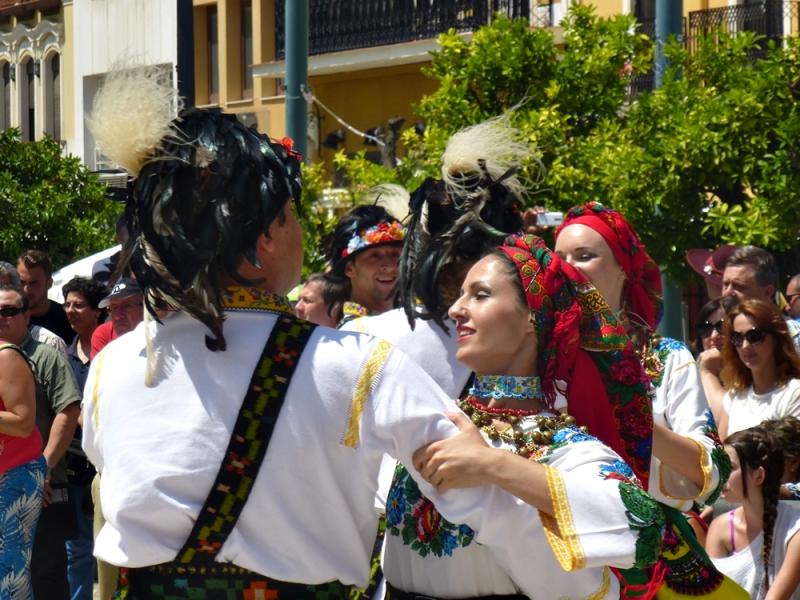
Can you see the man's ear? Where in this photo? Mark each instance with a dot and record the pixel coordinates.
(49, 282)
(350, 268)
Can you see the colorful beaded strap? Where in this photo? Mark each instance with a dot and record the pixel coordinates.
(249, 441)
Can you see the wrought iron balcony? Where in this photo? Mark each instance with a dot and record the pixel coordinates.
(21, 7)
(773, 19)
(336, 25)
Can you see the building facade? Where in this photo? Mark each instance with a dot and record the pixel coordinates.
(364, 66)
(107, 34)
(32, 45)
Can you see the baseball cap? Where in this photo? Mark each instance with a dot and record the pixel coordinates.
(123, 288)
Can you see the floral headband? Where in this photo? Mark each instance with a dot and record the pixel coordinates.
(382, 233)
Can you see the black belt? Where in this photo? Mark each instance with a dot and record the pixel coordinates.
(219, 581)
(392, 593)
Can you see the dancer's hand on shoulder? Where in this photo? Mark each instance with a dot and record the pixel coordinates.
(457, 462)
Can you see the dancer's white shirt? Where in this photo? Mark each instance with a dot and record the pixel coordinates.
(310, 515)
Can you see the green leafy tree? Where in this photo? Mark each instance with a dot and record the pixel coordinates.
(50, 202)
(709, 157)
(712, 156)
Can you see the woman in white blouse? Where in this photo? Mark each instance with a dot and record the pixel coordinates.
(761, 368)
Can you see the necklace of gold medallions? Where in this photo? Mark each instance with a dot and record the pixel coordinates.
(525, 443)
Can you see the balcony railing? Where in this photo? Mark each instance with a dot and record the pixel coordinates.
(336, 25)
(773, 19)
(19, 7)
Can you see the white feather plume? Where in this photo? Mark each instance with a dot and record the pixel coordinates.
(133, 111)
(497, 143)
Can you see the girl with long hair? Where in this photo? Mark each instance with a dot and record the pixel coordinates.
(688, 464)
(755, 544)
(761, 371)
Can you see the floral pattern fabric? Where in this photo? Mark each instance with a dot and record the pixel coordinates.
(426, 553)
(20, 506)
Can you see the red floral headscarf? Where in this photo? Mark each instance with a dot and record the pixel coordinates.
(643, 277)
(582, 344)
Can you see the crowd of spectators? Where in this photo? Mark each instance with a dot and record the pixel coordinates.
(48, 469)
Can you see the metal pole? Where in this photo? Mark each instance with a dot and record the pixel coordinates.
(669, 22)
(185, 66)
(296, 12)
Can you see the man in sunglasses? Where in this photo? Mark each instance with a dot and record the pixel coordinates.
(793, 297)
(57, 409)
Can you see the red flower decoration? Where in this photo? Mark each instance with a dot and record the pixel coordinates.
(628, 371)
(428, 520)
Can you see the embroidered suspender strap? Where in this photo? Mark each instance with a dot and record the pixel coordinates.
(249, 441)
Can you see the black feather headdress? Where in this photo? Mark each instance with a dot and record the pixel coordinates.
(447, 231)
(199, 205)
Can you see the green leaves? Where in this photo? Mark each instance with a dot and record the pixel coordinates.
(50, 202)
(712, 156)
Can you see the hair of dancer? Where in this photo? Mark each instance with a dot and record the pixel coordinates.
(477, 202)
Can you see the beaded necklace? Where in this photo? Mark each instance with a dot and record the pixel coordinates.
(524, 442)
(496, 387)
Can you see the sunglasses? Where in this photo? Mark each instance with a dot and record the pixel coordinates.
(754, 336)
(704, 329)
(10, 311)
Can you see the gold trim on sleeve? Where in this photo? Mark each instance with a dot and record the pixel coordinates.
(705, 465)
(369, 374)
(560, 528)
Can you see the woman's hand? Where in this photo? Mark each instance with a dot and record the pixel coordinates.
(710, 361)
(457, 462)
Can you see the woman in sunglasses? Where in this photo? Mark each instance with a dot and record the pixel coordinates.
(708, 346)
(710, 319)
(761, 368)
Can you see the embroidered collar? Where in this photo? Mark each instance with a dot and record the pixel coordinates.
(250, 298)
(354, 309)
(506, 386)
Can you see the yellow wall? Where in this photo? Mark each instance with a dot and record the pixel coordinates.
(607, 8)
(268, 110)
(366, 99)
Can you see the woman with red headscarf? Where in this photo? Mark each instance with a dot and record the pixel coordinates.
(548, 339)
(688, 462)
(523, 321)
